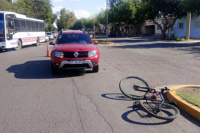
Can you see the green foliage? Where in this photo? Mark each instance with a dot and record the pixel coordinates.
(85, 23)
(67, 19)
(50, 27)
(191, 6)
(124, 12)
(5, 6)
(190, 97)
(140, 15)
(101, 17)
(116, 2)
(169, 10)
(180, 39)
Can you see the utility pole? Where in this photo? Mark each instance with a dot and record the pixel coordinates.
(107, 19)
(188, 26)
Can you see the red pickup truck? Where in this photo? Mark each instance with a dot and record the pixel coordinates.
(74, 50)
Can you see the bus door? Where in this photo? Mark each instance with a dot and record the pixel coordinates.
(10, 31)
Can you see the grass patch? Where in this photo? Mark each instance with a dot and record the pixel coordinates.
(192, 98)
(180, 39)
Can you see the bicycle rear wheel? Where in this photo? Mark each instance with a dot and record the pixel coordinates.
(134, 87)
(160, 110)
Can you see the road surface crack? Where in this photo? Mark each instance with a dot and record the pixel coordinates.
(96, 107)
(74, 87)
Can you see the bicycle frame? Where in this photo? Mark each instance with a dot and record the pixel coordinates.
(153, 99)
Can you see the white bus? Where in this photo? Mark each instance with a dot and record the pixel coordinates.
(17, 30)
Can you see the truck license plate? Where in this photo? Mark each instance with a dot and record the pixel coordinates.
(76, 62)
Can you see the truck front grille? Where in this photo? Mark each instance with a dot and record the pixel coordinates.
(71, 54)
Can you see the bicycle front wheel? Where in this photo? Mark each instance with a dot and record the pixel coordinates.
(134, 87)
(160, 110)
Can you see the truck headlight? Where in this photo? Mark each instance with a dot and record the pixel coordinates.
(59, 54)
(92, 53)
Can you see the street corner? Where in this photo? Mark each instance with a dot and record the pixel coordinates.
(182, 104)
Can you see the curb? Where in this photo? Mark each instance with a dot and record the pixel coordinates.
(187, 107)
(108, 43)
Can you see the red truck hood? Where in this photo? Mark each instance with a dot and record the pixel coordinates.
(74, 47)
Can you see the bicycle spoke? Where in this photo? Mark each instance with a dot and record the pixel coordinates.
(160, 110)
(134, 87)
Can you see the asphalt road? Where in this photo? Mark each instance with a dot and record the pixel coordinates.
(32, 100)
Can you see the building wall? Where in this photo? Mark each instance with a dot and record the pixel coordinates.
(194, 30)
(157, 30)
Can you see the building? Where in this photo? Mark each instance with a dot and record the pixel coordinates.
(181, 25)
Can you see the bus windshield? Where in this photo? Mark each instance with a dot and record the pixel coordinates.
(1, 23)
(2, 30)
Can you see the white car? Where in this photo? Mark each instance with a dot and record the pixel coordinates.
(46, 38)
(50, 35)
(54, 34)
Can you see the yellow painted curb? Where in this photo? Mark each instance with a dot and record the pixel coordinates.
(107, 43)
(187, 107)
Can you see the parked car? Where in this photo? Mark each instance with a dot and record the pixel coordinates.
(74, 50)
(46, 37)
(54, 34)
(50, 35)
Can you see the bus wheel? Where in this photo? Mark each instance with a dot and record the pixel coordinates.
(38, 42)
(19, 45)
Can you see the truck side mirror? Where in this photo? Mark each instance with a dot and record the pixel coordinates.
(51, 43)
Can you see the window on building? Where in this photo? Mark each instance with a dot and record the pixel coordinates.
(180, 25)
(197, 24)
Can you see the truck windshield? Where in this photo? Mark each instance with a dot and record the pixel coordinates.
(73, 38)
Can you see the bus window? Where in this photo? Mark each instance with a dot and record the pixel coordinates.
(23, 25)
(17, 25)
(1, 27)
(1, 24)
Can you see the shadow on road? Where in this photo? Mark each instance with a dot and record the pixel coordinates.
(152, 42)
(116, 96)
(141, 117)
(160, 45)
(40, 69)
(190, 118)
(189, 48)
(138, 116)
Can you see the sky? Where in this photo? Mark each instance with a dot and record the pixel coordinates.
(81, 8)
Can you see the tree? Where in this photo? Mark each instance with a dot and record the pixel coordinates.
(169, 10)
(67, 19)
(5, 5)
(122, 15)
(116, 2)
(101, 17)
(191, 6)
(140, 13)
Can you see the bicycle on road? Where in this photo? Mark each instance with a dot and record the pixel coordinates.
(151, 100)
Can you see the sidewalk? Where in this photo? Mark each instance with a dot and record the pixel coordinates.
(182, 104)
